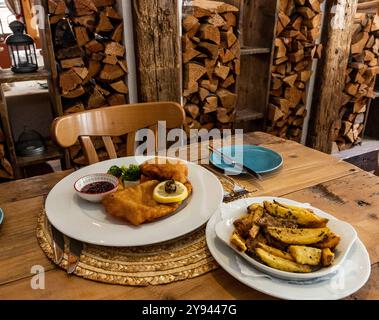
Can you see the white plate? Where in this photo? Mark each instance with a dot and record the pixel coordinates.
(350, 277)
(236, 209)
(88, 222)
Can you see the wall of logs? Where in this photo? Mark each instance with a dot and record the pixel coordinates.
(211, 64)
(297, 30)
(90, 56)
(360, 80)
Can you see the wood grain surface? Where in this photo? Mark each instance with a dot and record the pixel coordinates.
(308, 176)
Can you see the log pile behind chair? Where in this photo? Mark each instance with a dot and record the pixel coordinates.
(211, 63)
(298, 28)
(6, 170)
(90, 55)
(360, 80)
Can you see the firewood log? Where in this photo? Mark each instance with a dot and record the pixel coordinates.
(104, 24)
(116, 99)
(118, 32)
(88, 21)
(111, 13)
(111, 72)
(114, 48)
(120, 86)
(83, 7)
(69, 80)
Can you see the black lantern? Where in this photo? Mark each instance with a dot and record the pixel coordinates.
(21, 49)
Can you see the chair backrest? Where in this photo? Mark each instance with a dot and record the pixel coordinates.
(114, 121)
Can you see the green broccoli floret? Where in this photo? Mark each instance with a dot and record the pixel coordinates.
(115, 171)
(132, 173)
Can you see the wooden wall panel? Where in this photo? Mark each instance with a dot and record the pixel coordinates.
(157, 44)
(330, 78)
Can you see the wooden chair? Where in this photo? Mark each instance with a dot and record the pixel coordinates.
(114, 121)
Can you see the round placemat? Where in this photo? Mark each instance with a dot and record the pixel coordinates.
(178, 259)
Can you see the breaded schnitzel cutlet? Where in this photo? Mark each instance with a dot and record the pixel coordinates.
(175, 170)
(136, 204)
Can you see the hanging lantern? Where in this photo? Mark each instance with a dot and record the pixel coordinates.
(21, 49)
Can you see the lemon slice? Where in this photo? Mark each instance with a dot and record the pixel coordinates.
(160, 195)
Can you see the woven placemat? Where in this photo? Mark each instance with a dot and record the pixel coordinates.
(179, 259)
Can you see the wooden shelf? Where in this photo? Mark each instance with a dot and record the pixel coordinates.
(248, 115)
(51, 152)
(250, 50)
(8, 76)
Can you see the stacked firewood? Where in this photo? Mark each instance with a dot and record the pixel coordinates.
(298, 28)
(6, 170)
(360, 80)
(88, 47)
(211, 63)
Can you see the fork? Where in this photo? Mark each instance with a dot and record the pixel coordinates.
(237, 190)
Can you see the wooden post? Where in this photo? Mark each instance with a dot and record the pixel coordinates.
(157, 49)
(330, 79)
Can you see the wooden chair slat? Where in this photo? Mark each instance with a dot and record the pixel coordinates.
(130, 144)
(89, 149)
(154, 128)
(109, 146)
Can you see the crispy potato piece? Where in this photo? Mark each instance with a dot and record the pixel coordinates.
(271, 241)
(302, 216)
(243, 225)
(268, 220)
(327, 257)
(331, 241)
(253, 243)
(251, 208)
(305, 255)
(280, 263)
(276, 252)
(298, 236)
(257, 214)
(238, 242)
(253, 232)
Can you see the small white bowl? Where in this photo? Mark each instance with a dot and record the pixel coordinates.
(91, 178)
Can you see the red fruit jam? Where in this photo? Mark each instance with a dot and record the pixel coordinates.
(97, 187)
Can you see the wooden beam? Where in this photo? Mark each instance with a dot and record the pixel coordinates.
(157, 49)
(330, 79)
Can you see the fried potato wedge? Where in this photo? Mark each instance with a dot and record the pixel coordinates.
(298, 236)
(251, 208)
(238, 242)
(275, 251)
(306, 255)
(280, 263)
(253, 232)
(257, 214)
(301, 216)
(327, 257)
(331, 241)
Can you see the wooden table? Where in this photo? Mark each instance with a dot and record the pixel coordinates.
(307, 175)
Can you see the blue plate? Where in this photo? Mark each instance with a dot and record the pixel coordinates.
(1, 216)
(259, 159)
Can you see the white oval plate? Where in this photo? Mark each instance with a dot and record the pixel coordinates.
(88, 222)
(350, 277)
(236, 209)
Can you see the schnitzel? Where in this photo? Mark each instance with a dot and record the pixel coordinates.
(136, 204)
(168, 170)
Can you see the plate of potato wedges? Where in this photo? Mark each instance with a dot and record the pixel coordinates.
(286, 239)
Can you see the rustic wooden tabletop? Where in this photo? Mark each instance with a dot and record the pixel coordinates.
(307, 175)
